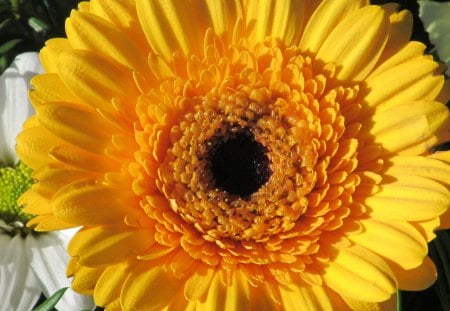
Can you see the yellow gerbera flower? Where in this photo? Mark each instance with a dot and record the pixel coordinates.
(240, 155)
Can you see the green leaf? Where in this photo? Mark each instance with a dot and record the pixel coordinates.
(51, 302)
(5, 47)
(38, 25)
(5, 23)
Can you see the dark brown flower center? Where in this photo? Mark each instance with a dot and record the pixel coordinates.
(239, 164)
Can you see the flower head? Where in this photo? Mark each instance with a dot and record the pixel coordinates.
(31, 263)
(226, 155)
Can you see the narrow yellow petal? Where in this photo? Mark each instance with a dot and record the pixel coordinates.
(87, 203)
(415, 279)
(401, 25)
(50, 88)
(356, 304)
(95, 80)
(84, 6)
(80, 159)
(356, 43)
(85, 280)
(110, 283)
(397, 241)
(52, 178)
(179, 302)
(360, 274)
(50, 52)
(35, 203)
(33, 145)
(411, 198)
(428, 227)
(445, 220)
(409, 52)
(407, 82)
(123, 15)
(105, 245)
(76, 125)
(325, 18)
(223, 297)
(276, 19)
(419, 166)
(224, 15)
(171, 25)
(48, 222)
(89, 32)
(147, 282)
(420, 120)
(309, 298)
(197, 285)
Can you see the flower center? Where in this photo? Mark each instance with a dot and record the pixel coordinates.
(239, 164)
(13, 182)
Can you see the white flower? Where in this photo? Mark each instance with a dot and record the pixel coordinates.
(31, 263)
(436, 19)
(14, 105)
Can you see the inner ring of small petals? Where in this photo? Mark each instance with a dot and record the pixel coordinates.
(276, 205)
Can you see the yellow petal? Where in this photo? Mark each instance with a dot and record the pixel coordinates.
(49, 54)
(418, 278)
(172, 25)
(223, 297)
(409, 52)
(87, 203)
(50, 88)
(388, 305)
(397, 241)
(179, 303)
(105, 245)
(148, 288)
(410, 198)
(356, 43)
(35, 203)
(309, 298)
(428, 227)
(197, 285)
(360, 274)
(49, 222)
(224, 15)
(416, 122)
(76, 125)
(51, 179)
(85, 279)
(89, 32)
(95, 80)
(110, 283)
(80, 159)
(33, 145)
(419, 166)
(401, 25)
(407, 82)
(324, 19)
(445, 220)
(122, 14)
(276, 19)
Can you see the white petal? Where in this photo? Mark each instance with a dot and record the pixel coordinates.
(28, 65)
(19, 289)
(436, 19)
(48, 259)
(15, 107)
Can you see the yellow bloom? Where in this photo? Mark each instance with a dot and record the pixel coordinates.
(240, 155)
